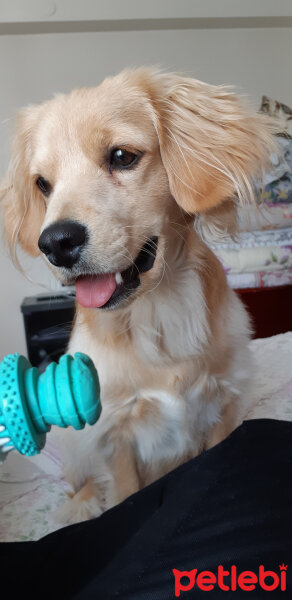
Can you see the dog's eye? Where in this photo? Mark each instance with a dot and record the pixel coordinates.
(44, 186)
(122, 159)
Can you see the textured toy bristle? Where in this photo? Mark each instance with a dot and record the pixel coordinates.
(13, 418)
(65, 394)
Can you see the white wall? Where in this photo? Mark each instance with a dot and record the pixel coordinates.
(41, 11)
(34, 67)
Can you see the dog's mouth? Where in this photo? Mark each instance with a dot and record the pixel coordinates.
(107, 290)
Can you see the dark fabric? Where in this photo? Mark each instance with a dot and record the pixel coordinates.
(230, 506)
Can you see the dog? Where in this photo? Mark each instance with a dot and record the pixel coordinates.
(107, 184)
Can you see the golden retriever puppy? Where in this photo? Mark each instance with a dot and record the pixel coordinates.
(106, 182)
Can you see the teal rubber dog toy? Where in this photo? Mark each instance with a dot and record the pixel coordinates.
(66, 394)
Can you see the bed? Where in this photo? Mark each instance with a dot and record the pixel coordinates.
(32, 488)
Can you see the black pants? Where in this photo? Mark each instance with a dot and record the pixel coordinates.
(231, 506)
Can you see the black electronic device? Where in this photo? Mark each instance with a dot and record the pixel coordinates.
(48, 322)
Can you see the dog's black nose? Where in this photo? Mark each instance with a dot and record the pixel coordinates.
(62, 243)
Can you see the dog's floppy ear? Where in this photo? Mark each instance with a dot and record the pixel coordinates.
(22, 206)
(211, 145)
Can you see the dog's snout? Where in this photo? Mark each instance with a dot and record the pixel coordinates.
(62, 243)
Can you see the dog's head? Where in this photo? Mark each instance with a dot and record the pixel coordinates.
(100, 179)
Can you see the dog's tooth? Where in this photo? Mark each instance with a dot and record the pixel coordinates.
(119, 278)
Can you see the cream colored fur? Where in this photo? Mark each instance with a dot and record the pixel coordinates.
(173, 361)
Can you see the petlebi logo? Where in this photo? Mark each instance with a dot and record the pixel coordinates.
(229, 580)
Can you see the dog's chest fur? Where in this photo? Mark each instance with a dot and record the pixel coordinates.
(159, 394)
(150, 399)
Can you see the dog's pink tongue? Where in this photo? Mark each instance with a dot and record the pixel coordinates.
(94, 291)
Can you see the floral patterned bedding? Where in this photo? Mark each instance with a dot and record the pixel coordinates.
(278, 181)
(265, 216)
(32, 488)
(262, 254)
(260, 279)
(257, 259)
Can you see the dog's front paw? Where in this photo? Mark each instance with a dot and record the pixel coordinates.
(84, 505)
